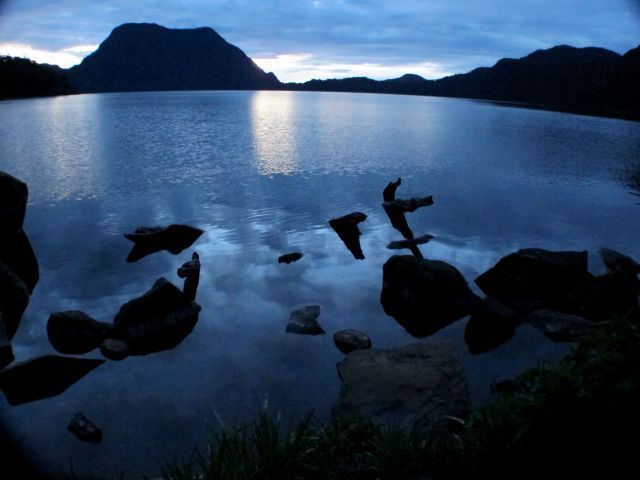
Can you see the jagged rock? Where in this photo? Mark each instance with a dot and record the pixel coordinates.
(114, 349)
(347, 229)
(349, 340)
(290, 257)
(410, 205)
(148, 240)
(17, 254)
(304, 321)
(619, 262)
(14, 298)
(534, 278)
(6, 351)
(84, 429)
(558, 326)
(43, 377)
(158, 320)
(411, 243)
(490, 325)
(424, 295)
(421, 382)
(389, 192)
(190, 271)
(13, 204)
(612, 294)
(75, 332)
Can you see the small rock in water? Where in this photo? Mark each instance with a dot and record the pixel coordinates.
(290, 257)
(349, 340)
(304, 321)
(190, 271)
(85, 429)
(114, 349)
(619, 262)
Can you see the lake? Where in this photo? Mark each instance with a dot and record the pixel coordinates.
(262, 173)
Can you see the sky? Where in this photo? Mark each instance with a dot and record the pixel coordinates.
(303, 39)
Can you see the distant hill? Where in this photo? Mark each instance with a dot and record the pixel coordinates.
(581, 80)
(23, 78)
(143, 57)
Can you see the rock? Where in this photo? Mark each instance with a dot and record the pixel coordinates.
(190, 271)
(158, 320)
(398, 219)
(13, 204)
(389, 192)
(114, 349)
(491, 324)
(17, 254)
(533, 278)
(612, 294)
(290, 257)
(6, 351)
(174, 239)
(410, 205)
(347, 229)
(619, 262)
(75, 332)
(14, 298)
(349, 340)
(559, 327)
(43, 377)
(84, 429)
(411, 243)
(304, 321)
(421, 382)
(424, 295)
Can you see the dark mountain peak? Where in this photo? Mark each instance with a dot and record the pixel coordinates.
(408, 78)
(568, 54)
(147, 56)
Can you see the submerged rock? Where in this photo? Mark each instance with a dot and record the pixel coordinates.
(17, 254)
(424, 295)
(619, 262)
(304, 321)
(290, 257)
(158, 320)
(534, 278)
(349, 340)
(43, 377)
(6, 351)
(75, 332)
(347, 229)
(421, 382)
(13, 204)
(148, 240)
(190, 271)
(558, 326)
(14, 298)
(491, 324)
(84, 429)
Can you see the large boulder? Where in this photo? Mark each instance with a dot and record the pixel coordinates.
(424, 295)
(490, 325)
(17, 254)
(148, 240)
(350, 339)
(43, 377)
(421, 383)
(14, 298)
(158, 320)
(558, 326)
(13, 204)
(75, 332)
(534, 278)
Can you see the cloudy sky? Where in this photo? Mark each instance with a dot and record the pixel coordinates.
(303, 39)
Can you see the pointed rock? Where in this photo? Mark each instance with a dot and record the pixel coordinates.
(347, 229)
(17, 254)
(290, 257)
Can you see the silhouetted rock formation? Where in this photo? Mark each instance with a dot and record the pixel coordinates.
(43, 377)
(17, 254)
(14, 299)
(74, 332)
(290, 257)
(619, 262)
(190, 271)
(145, 57)
(422, 383)
(85, 429)
(6, 351)
(23, 78)
(158, 320)
(13, 204)
(349, 340)
(148, 240)
(347, 229)
(490, 325)
(389, 192)
(560, 327)
(424, 295)
(305, 321)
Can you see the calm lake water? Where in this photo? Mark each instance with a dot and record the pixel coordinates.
(262, 172)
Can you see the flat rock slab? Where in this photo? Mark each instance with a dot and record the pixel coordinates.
(43, 377)
(420, 382)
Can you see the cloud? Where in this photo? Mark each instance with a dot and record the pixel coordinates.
(65, 57)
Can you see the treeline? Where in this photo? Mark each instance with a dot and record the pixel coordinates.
(23, 78)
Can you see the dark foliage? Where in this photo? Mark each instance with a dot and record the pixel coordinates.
(23, 78)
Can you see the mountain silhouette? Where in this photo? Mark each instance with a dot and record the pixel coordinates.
(148, 57)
